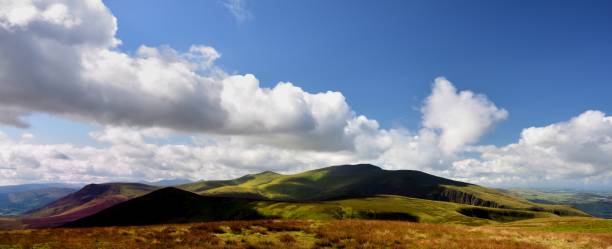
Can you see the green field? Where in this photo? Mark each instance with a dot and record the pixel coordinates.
(390, 207)
(564, 224)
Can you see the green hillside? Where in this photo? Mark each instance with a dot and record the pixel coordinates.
(364, 180)
(171, 205)
(394, 208)
(334, 182)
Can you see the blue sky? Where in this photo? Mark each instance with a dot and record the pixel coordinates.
(447, 87)
(543, 61)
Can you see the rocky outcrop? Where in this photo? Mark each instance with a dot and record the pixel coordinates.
(453, 195)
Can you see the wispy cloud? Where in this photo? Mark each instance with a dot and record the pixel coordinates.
(239, 9)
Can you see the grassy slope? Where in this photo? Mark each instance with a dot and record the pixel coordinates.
(515, 202)
(173, 205)
(351, 181)
(563, 224)
(328, 183)
(389, 207)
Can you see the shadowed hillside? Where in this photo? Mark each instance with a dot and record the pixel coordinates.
(170, 205)
(89, 200)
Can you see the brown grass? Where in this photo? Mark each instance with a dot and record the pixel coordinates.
(301, 234)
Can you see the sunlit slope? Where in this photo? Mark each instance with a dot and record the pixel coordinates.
(395, 208)
(329, 183)
(563, 224)
(171, 205)
(474, 195)
(364, 180)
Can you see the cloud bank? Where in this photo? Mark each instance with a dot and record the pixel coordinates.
(578, 149)
(63, 58)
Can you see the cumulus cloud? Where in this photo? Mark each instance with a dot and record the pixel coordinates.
(132, 153)
(130, 157)
(459, 118)
(578, 149)
(61, 57)
(27, 136)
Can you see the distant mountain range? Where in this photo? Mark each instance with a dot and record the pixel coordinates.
(17, 199)
(346, 191)
(25, 187)
(596, 204)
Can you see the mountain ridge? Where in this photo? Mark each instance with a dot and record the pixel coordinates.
(365, 180)
(334, 183)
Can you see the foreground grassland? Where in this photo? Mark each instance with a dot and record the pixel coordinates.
(542, 233)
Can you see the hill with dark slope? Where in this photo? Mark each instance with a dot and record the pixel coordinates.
(365, 180)
(334, 182)
(87, 201)
(170, 205)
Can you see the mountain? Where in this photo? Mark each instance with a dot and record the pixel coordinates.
(15, 203)
(365, 180)
(345, 191)
(170, 205)
(88, 200)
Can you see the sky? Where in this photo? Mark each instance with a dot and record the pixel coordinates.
(499, 93)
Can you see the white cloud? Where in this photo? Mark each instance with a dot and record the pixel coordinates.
(131, 153)
(62, 57)
(460, 118)
(577, 150)
(129, 157)
(27, 136)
